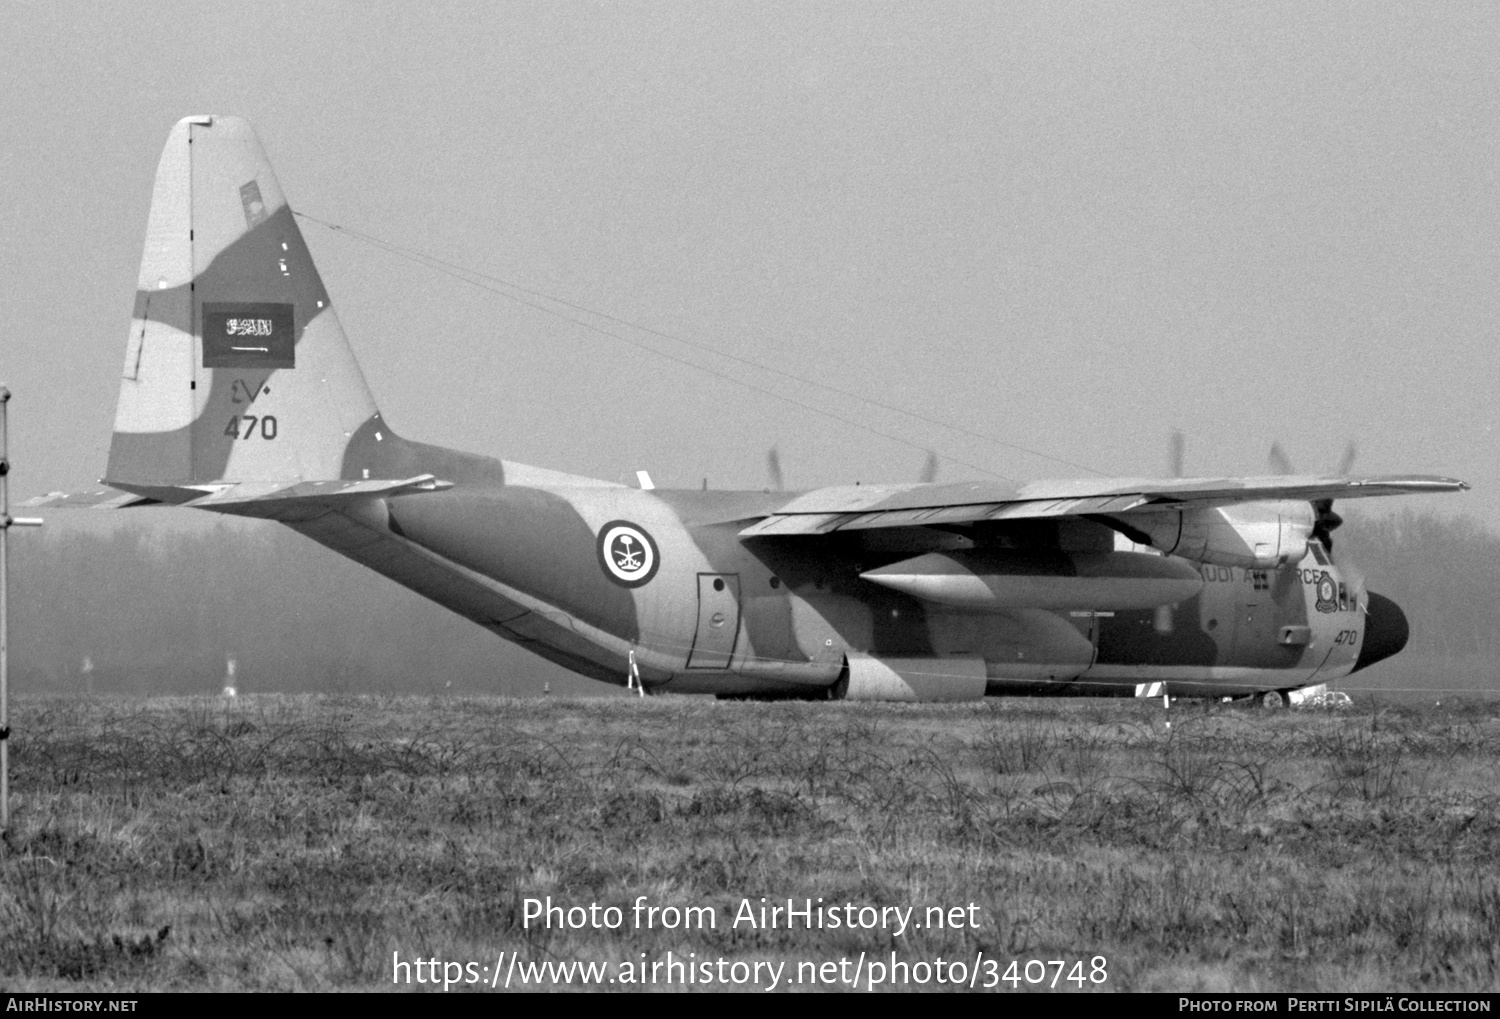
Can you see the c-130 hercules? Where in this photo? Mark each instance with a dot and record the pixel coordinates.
(240, 395)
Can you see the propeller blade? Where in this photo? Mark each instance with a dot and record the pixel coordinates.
(929, 469)
(773, 470)
(1278, 461)
(1176, 452)
(1347, 463)
(1325, 522)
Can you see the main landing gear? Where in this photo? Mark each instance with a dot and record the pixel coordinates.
(1275, 700)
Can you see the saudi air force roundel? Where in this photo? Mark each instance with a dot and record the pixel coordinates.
(1327, 592)
(627, 553)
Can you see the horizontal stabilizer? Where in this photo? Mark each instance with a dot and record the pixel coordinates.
(281, 500)
(274, 500)
(101, 498)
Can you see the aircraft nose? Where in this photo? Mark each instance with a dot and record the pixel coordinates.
(1386, 631)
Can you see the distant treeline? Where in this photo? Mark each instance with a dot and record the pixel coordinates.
(1444, 572)
(157, 604)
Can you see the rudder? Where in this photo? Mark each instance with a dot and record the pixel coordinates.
(236, 368)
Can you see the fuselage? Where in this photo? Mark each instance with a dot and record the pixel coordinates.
(659, 585)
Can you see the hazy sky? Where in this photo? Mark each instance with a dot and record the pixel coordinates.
(1068, 228)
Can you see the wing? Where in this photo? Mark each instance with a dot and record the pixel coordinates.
(861, 507)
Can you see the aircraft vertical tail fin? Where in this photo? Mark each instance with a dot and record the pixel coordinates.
(236, 367)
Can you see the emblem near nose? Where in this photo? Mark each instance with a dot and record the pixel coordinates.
(1327, 592)
(627, 553)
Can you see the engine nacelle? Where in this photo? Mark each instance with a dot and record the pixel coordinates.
(1252, 535)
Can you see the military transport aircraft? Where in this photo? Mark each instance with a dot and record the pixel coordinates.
(240, 395)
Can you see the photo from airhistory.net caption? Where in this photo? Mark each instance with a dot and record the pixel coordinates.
(866, 971)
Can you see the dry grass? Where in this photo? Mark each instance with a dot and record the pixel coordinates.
(296, 842)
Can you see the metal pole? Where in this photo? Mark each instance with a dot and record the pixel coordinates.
(4, 620)
(6, 523)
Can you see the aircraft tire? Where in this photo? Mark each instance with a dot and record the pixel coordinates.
(1273, 700)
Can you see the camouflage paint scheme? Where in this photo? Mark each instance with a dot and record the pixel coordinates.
(240, 395)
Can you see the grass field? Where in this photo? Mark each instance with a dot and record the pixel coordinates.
(298, 842)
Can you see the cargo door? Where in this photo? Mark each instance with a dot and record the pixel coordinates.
(1255, 630)
(718, 621)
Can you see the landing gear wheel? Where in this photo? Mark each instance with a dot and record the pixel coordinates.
(1272, 700)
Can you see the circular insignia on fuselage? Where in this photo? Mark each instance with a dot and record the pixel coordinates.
(1327, 592)
(627, 553)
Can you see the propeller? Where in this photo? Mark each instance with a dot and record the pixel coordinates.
(929, 469)
(1278, 461)
(1325, 520)
(773, 470)
(1346, 462)
(1163, 620)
